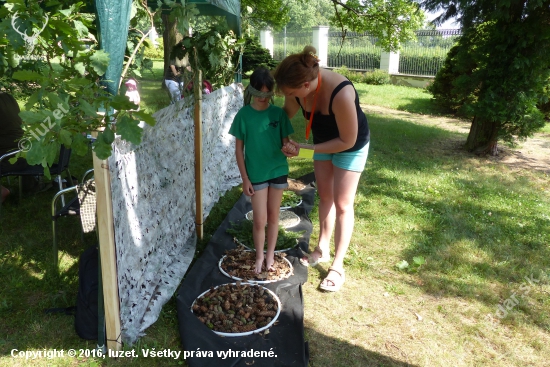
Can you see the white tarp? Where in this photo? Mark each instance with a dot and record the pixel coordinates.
(153, 190)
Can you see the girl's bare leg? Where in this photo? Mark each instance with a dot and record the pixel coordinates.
(259, 208)
(273, 208)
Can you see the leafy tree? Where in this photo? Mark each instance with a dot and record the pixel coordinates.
(254, 56)
(65, 73)
(309, 13)
(442, 88)
(393, 22)
(500, 69)
(175, 20)
(141, 23)
(214, 52)
(258, 14)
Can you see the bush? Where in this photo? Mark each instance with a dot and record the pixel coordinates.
(353, 76)
(155, 53)
(444, 93)
(254, 55)
(376, 77)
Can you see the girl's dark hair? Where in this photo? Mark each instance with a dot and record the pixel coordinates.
(296, 69)
(260, 77)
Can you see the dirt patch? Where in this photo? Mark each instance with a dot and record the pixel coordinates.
(532, 154)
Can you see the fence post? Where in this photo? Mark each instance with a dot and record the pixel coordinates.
(266, 40)
(320, 42)
(389, 61)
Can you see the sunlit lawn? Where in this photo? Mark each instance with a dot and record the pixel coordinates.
(482, 229)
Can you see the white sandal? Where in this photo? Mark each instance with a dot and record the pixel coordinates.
(336, 283)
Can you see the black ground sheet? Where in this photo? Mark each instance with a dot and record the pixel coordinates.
(284, 344)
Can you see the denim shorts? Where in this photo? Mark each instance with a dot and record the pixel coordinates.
(277, 183)
(350, 161)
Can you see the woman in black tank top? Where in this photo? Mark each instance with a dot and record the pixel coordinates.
(341, 136)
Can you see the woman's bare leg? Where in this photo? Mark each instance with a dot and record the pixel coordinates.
(324, 177)
(345, 188)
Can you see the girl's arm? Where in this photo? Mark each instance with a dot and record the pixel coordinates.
(289, 148)
(248, 190)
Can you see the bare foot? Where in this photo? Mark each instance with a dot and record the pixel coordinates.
(269, 261)
(317, 256)
(259, 262)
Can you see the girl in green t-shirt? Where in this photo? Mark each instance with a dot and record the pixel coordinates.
(261, 130)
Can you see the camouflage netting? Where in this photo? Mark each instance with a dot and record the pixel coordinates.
(153, 190)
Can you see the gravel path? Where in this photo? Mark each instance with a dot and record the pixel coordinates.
(533, 153)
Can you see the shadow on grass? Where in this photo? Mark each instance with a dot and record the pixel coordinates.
(410, 99)
(329, 351)
(483, 230)
(30, 284)
(424, 107)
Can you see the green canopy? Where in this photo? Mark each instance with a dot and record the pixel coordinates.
(114, 19)
(231, 9)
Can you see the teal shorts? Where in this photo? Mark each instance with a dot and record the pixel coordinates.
(350, 161)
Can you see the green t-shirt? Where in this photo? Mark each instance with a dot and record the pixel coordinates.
(262, 133)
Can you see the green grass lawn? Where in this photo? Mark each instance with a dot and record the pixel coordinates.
(416, 100)
(482, 227)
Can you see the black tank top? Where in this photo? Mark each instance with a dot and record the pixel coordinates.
(324, 127)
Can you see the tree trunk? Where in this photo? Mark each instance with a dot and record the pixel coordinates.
(482, 138)
(170, 36)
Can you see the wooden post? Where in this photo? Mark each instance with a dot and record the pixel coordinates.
(105, 227)
(197, 92)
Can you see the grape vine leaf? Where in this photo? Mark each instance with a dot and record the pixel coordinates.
(149, 120)
(27, 75)
(100, 61)
(65, 137)
(101, 149)
(80, 144)
(129, 129)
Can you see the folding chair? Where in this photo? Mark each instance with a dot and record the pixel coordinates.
(56, 169)
(82, 204)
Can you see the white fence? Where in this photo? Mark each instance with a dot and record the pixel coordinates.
(418, 64)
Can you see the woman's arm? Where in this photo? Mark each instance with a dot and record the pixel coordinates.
(248, 190)
(174, 70)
